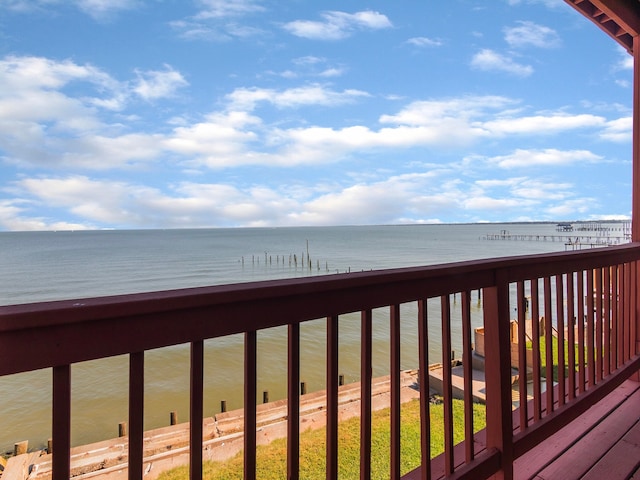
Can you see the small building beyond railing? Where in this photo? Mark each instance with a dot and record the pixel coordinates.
(588, 298)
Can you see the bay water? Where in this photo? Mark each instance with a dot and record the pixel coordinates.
(43, 266)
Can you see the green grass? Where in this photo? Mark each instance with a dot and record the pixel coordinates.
(554, 355)
(271, 459)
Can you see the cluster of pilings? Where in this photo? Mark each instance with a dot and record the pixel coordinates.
(304, 262)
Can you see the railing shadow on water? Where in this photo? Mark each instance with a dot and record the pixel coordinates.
(360, 325)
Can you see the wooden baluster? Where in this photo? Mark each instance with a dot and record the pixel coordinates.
(598, 324)
(62, 422)
(560, 324)
(581, 334)
(196, 413)
(332, 398)
(590, 338)
(535, 333)
(250, 389)
(548, 341)
(366, 355)
(447, 387)
(293, 403)
(136, 415)
(522, 357)
(395, 391)
(425, 418)
(468, 376)
(571, 335)
(606, 321)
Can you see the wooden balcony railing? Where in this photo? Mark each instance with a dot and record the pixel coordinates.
(590, 298)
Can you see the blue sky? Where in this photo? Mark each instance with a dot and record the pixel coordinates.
(230, 113)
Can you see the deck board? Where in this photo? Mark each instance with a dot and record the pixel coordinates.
(534, 461)
(605, 439)
(621, 459)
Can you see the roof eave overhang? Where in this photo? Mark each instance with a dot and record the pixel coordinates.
(620, 19)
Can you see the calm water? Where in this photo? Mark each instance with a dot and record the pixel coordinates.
(39, 266)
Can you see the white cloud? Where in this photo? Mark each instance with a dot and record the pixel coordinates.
(41, 124)
(331, 72)
(619, 130)
(424, 42)
(414, 197)
(548, 158)
(311, 66)
(227, 8)
(31, 73)
(99, 201)
(572, 208)
(192, 30)
(222, 140)
(31, 97)
(217, 20)
(418, 197)
(490, 60)
(98, 9)
(429, 112)
(338, 25)
(487, 204)
(531, 34)
(308, 60)
(248, 98)
(12, 218)
(548, 3)
(627, 63)
(156, 84)
(517, 194)
(542, 124)
(625, 60)
(542, 191)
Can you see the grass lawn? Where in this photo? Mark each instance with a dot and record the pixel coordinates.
(554, 354)
(271, 459)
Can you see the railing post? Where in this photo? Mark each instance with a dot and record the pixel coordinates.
(498, 373)
(635, 217)
(635, 308)
(635, 191)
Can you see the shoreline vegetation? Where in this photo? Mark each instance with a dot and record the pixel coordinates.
(271, 458)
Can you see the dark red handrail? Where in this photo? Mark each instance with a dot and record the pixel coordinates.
(600, 285)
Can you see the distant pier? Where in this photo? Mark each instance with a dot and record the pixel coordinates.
(571, 241)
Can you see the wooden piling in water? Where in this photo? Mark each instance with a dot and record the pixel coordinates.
(223, 406)
(122, 429)
(173, 418)
(21, 447)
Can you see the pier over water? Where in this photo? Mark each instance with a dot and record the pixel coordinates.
(602, 235)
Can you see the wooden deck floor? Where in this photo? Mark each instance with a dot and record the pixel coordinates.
(603, 443)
